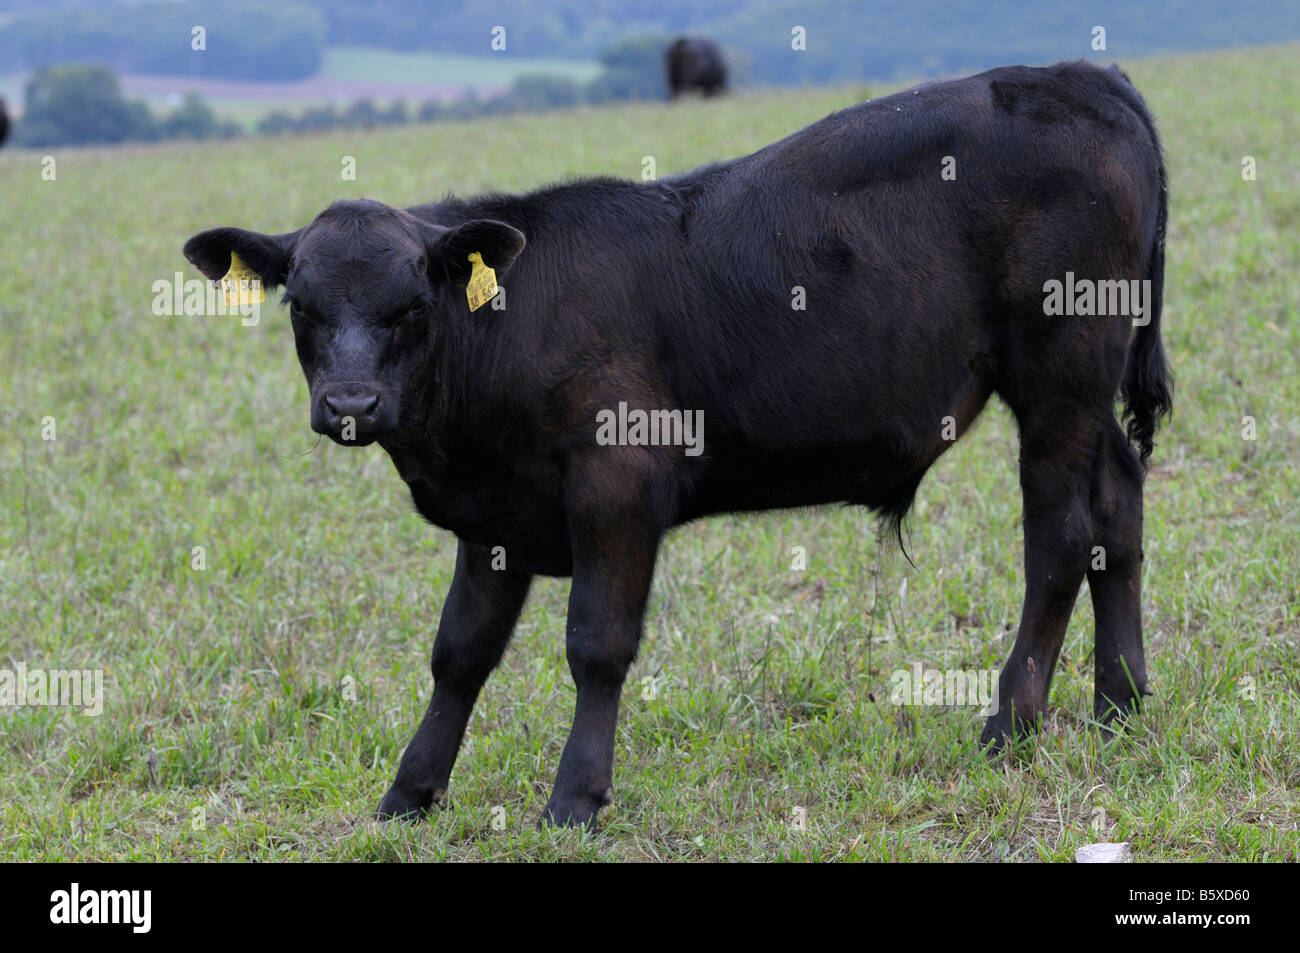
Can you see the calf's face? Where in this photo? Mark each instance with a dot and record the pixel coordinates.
(366, 285)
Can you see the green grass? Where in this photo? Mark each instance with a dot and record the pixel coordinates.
(225, 688)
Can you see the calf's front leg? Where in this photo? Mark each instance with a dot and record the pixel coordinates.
(478, 618)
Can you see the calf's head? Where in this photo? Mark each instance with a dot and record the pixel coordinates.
(367, 285)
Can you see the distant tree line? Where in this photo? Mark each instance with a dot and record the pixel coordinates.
(632, 69)
(239, 39)
(83, 104)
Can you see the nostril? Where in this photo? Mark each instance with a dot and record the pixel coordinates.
(360, 406)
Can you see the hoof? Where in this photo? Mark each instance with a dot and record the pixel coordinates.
(580, 811)
(1002, 728)
(401, 806)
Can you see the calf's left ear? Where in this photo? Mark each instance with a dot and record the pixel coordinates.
(497, 243)
(267, 255)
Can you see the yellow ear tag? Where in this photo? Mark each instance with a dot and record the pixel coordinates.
(482, 286)
(242, 286)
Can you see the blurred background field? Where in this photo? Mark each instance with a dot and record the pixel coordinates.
(219, 68)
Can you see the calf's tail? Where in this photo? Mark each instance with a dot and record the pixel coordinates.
(1148, 384)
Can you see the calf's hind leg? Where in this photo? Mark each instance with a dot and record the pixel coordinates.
(1058, 447)
(1115, 579)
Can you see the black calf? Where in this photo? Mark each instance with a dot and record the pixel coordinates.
(827, 314)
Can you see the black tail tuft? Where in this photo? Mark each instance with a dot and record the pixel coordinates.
(1148, 384)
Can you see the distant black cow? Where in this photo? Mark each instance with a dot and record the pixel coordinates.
(695, 64)
(829, 314)
(4, 121)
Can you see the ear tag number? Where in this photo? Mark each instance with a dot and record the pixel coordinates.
(482, 286)
(241, 285)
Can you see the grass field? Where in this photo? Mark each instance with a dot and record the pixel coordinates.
(228, 730)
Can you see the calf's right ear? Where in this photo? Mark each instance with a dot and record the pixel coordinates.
(267, 255)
